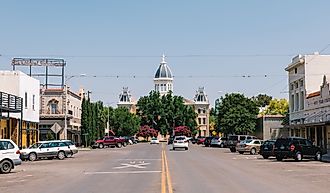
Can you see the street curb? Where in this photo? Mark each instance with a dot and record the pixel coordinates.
(84, 149)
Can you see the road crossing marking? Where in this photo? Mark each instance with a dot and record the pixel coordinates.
(132, 164)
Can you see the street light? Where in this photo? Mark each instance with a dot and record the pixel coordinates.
(66, 103)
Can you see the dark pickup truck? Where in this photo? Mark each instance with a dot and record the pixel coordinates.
(108, 141)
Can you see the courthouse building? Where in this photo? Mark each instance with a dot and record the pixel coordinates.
(163, 83)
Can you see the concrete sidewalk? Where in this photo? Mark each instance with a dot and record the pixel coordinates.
(84, 149)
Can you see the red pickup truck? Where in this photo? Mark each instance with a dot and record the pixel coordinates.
(108, 141)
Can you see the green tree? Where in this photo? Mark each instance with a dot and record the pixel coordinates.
(237, 114)
(262, 100)
(165, 112)
(50, 136)
(124, 123)
(277, 107)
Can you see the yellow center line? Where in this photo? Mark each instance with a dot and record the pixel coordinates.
(166, 177)
(163, 184)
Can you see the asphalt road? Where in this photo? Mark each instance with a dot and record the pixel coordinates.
(145, 168)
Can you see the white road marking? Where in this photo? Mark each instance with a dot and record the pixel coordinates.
(139, 159)
(132, 165)
(125, 172)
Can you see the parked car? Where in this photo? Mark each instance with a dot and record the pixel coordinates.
(219, 142)
(170, 140)
(180, 142)
(267, 149)
(201, 140)
(194, 140)
(108, 141)
(9, 156)
(296, 148)
(71, 150)
(46, 149)
(154, 140)
(207, 141)
(249, 145)
(234, 139)
(134, 140)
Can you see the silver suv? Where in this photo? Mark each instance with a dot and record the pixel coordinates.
(234, 139)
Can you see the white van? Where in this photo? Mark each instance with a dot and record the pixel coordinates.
(9, 155)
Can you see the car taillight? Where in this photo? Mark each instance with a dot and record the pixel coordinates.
(175, 141)
(292, 147)
(18, 152)
(186, 141)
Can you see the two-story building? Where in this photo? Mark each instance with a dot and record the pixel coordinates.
(54, 112)
(19, 101)
(308, 102)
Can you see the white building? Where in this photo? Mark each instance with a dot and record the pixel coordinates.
(19, 84)
(308, 107)
(163, 78)
(126, 100)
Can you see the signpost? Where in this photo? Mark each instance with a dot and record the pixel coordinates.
(56, 128)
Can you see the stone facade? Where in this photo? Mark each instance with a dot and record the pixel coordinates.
(52, 110)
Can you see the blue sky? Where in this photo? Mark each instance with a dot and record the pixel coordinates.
(225, 46)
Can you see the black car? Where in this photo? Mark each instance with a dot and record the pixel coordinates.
(207, 141)
(267, 149)
(296, 148)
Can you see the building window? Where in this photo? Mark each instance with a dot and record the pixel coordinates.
(25, 100)
(302, 100)
(291, 87)
(199, 121)
(199, 111)
(33, 101)
(204, 121)
(295, 70)
(301, 83)
(53, 108)
(292, 103)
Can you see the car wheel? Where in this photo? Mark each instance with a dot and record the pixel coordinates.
(241, 152)
(253, 151)
(173, 148)
(61, 155)
(32, 157)
(125, 144)
(279, 158)
(222, 145)
(6, 166)
(265, 156)
(233, 149)
(101, 146)
(298, 156)
(119, 145)
(186, 148)
(318, 156)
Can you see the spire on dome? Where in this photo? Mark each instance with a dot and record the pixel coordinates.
(163, 59)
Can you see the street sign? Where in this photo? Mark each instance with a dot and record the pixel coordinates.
(56, 128)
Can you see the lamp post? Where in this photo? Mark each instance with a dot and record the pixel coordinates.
(66, 103)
